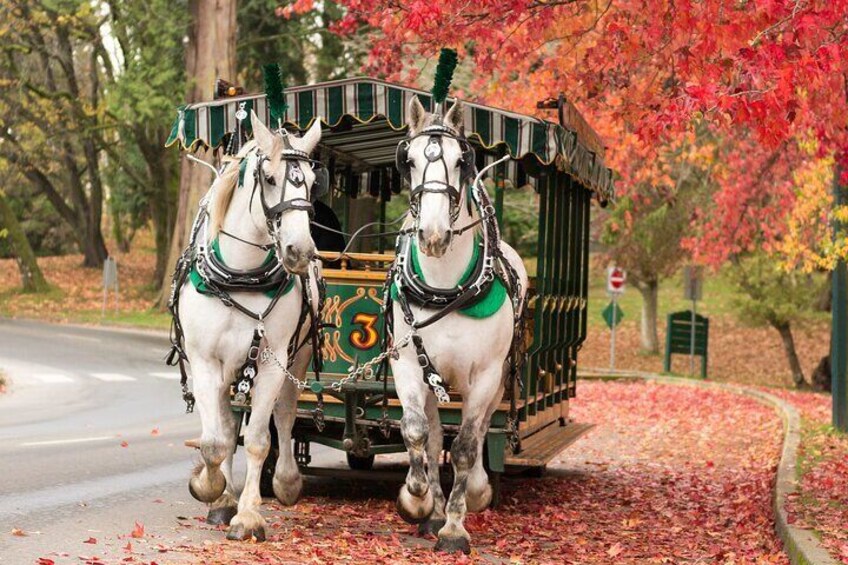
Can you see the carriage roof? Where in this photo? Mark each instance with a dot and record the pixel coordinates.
(366, 120)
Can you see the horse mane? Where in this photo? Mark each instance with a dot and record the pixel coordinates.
(223, 189)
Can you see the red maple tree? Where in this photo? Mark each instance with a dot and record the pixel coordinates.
(764, 74)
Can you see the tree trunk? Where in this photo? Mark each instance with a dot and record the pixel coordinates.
(785, 331)
(32, 280)
(160, 168)
(823, 301)
(649, 337)
(210, 53)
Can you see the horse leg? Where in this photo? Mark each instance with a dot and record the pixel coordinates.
(415, 500)
(248, 522)
(225, 507)
(464, 455)
(287, 481)
(478, 493)
(435, 443)
(208, 482)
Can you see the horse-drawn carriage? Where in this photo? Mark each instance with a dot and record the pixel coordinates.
(352, 404)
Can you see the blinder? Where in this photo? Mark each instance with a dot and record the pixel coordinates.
(434, 152)
(295, 176)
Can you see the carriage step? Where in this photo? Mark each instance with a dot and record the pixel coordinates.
(538, 449)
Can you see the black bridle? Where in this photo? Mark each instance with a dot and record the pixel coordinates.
(293, 175)
(434, 152)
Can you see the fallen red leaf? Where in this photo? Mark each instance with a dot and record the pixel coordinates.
(124, 443)
(91, 540)
(154, 431)
(45, 561)
(18, 532)
(138, 531)
(614, 550)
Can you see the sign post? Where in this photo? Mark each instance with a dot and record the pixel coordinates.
(612, 314)
(110, 282)
(693, 284)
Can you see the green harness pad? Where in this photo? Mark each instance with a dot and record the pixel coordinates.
(485, 305)
(200, 286)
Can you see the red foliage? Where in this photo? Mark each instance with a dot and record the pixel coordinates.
(643, 70)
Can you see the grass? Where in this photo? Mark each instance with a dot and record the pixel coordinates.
(148, 319)
(718, 296)
(52, 305)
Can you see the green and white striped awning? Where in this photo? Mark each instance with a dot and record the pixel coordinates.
(365, 119)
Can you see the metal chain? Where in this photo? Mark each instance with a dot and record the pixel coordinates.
(365, 371)
(268, 356)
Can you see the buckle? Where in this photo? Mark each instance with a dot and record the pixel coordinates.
(423, 360)
(253, 353)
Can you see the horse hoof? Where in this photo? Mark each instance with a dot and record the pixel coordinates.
(452, 545)
(481, 501)
(431, 527)
(288, 491)
(412, 509)
(238, 532)
(221, 516)
(210, 492)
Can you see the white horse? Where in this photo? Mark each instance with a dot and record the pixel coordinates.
(469, 354)
(269, 211)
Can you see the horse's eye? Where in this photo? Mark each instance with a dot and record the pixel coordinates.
(271, 180)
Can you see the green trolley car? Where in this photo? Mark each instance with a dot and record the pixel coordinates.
(363, 121)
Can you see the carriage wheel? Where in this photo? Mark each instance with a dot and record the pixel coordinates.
(360, 463)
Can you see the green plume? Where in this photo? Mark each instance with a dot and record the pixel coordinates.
(274, 93)
(444, 75)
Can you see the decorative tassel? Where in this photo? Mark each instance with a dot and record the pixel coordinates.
(274, 93)
(444, 75)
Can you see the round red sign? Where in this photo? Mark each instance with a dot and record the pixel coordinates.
(616, 278)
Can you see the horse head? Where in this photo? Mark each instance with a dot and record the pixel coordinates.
(438, 162)
(285, 183)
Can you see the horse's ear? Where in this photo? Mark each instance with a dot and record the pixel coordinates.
(455, 118)
(416, 115)
(263, 136)
(309, 140)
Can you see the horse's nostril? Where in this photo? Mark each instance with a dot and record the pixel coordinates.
(290, 252)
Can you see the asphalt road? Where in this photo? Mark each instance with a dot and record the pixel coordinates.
(91, 442)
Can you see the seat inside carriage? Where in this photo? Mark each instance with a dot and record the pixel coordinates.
(363, 119)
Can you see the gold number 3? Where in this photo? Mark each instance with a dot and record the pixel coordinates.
(367, 337)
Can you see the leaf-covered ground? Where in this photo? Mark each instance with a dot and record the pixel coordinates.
(77, 292)
(730, 355)
(670, 475)
(821, 502)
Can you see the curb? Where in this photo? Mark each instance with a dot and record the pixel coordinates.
(124, 329)
(801, 546)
